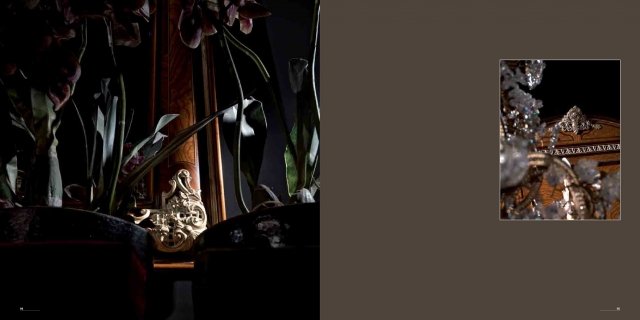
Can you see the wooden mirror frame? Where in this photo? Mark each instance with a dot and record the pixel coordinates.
(175, 71)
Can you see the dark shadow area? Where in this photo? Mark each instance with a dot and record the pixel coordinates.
(592, 85)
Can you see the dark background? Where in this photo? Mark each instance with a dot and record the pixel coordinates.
(592, 85)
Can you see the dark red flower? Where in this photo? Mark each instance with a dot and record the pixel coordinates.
(63, 71)
(135, 161)
(197, 18)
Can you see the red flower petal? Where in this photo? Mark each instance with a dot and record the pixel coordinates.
(253, 10)
(59, 95)
(232, 14)
(190, 27)
(246, 25)
(208, 17)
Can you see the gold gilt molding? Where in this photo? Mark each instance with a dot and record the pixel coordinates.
(182, 216)
(575, 121)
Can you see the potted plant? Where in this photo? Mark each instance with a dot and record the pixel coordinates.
(43, 44)
(280, 238)
(244, 126)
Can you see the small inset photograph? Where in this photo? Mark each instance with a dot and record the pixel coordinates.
(559, 139)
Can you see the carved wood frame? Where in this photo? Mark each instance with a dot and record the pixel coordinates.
(171, 81)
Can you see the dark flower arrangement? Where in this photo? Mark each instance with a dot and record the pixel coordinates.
(42, 45)
(205, 18)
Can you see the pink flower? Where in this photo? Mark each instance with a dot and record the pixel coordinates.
(135, 161)
(197, 18)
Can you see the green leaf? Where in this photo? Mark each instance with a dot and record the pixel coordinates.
(118, 146)
(290, 169)
(139, 172)
(311, 154)
(19, 123)
(46, 181)
(109, 135)
(297, 72)
(47, 184)
(100, 123)
(8, 179)
(164, 120)
(102, 100)
(153, 146)
(315, 186)
(7, 186)
(85, 138)
(17, 110)
(12, 173)
(253, 137)
(96, 181)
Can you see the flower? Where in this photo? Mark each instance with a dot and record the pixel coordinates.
(245, 11)
(197, 18)
(56, 69)
(135, 161)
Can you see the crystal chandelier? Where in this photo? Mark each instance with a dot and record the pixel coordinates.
(587, 193)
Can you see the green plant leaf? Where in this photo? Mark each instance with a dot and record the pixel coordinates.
(311, 156)
(85, 139)
(17, 119)
(118, 148)
(297, 72)
(46, 181)
(96, 181)
(139, 172)
(315, 186)
(151, 148)
(164, 120)
(99, 123)
(276, 99)
(9, 174)
(12, 173)
(7, 186)
(253, 137)
(109, 135)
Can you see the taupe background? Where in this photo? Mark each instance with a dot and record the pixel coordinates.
(410, 228)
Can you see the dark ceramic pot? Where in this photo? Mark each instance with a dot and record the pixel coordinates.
(72, 264)
(264, 264)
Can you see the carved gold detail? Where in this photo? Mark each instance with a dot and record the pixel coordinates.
(182, 217)
(575, 121)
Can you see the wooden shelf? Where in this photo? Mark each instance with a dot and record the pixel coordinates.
(173, 265)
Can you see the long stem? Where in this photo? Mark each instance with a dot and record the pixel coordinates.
(118, 146)
(309, 99)
(110, 40)
(85, 139)
(83, 48)
(139, 172)
(246, 50)
(314, 48)
(93, 157)
(267, 78)
(301, 147)
(237, 174)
